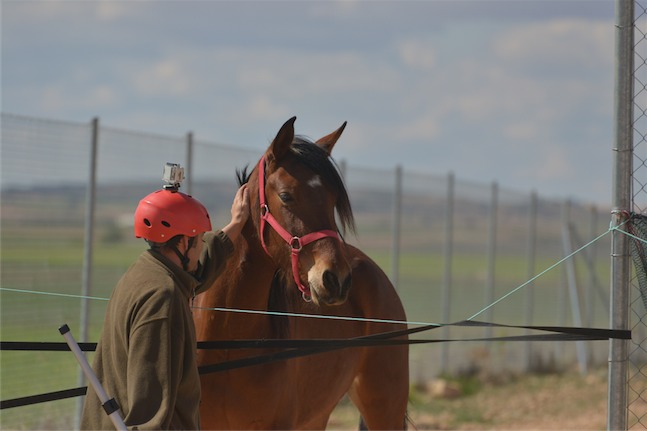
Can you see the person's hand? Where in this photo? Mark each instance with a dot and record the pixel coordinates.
(239, 213)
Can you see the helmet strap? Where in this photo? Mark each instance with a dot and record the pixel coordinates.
(184, 257)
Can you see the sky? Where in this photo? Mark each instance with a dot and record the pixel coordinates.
(519, 92)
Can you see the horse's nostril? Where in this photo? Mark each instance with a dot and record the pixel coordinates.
(334, 287)
(331, 282)
(348, 281)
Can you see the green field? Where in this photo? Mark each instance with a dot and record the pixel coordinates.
(48, 262)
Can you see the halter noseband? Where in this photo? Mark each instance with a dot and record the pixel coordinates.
(296, 243)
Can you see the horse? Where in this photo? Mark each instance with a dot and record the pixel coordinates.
(291, 258)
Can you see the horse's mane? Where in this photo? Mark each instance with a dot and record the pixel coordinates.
(320, 162)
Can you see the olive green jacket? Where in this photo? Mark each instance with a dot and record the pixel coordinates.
(146, 355)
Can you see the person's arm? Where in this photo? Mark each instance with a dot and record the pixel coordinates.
(239, 214)
(219, 246)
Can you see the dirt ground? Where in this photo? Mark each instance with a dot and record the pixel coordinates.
(567, 401)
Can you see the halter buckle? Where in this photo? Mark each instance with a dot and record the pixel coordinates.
(306, 297)
(295, 243)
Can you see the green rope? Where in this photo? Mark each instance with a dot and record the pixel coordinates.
(37, 292)
(559, 262)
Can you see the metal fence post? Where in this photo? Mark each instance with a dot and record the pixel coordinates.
(573, 294)
(562, 293)
(88, 244)
(593, 280)
(530, 292)
(397, 213)
(491, 256)
(448, 253)
(621, 205)
(189, 162)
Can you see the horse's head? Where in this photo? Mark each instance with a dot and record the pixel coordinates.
(299, 191)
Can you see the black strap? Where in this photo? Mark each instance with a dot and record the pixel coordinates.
(36, 346)
(580, 333)
(110, 406)
(43, 398)
(561, 333)
(298, 348)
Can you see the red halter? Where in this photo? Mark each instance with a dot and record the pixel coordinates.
(296, 243)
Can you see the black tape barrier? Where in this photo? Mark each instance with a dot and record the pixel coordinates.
(298, 348)
(386, 338)
(38, 346)
(43, 398)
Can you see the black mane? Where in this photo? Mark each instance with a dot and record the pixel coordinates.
(319, 161)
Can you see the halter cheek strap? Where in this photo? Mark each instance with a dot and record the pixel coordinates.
(296, 243)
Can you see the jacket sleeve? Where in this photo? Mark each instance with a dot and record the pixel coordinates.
(217, 249)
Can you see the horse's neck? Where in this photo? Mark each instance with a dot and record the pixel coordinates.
(250, 274)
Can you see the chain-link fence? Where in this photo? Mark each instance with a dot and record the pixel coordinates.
(451, 247)
(637, 378)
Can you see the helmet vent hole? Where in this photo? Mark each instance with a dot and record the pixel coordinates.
(147, 222)
(165, 223)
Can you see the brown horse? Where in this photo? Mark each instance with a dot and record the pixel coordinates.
(290, 258)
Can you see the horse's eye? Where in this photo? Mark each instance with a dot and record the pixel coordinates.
(285, 197)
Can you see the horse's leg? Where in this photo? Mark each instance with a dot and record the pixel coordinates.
(381, 388)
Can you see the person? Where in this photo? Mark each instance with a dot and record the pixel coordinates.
(146, 354)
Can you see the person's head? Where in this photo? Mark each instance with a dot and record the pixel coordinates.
(168, 219)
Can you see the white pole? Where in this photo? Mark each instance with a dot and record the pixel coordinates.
(109, 404)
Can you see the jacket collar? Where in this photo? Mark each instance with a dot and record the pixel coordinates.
(187, 282)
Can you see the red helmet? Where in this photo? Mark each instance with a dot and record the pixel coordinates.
(164, 214)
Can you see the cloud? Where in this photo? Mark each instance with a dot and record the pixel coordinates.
(508, 85)
(466, 91)
(54, 99)
(522, 131)
(417, 54)
(421, 128)
(552, 163)
(570, 44)
(112, 10)
(167, 77)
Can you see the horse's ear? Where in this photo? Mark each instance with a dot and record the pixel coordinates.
(329, 141)
(283, 140)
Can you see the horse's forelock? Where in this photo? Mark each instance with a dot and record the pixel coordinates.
(318, 160)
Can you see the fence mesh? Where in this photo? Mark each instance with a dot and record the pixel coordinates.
(637, 379)
(500, 239)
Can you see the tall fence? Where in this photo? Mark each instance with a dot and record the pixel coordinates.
(454, 249)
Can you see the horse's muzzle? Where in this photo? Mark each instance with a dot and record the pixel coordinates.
(335, 292)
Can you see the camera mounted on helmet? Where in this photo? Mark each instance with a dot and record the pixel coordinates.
(172, 176)
(166, 213)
